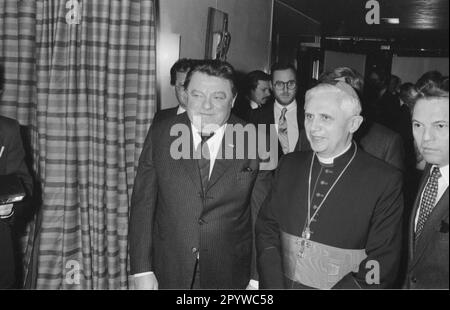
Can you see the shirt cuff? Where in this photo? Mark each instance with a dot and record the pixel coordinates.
(254, 284)
(142, 274)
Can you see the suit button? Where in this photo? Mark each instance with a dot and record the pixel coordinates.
(201, 222)
(414, 280)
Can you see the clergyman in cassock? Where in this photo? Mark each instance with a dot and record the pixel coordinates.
(333, 217)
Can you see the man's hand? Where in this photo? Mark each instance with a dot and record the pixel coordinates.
(253, 285)
(6, 211)
(146, 282)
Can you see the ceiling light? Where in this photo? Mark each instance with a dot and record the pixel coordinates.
(392, 21)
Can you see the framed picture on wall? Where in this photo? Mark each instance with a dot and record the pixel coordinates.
(218, 38)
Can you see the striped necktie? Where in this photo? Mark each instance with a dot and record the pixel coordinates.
(283, 131)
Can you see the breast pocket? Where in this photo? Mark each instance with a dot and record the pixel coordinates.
(245, 176)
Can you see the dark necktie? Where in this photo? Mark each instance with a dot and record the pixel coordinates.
(428, 200)
(283, 131)
(204, 162)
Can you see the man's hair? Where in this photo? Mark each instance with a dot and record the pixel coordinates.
(279, 66)
(349, 99)
(183, 66)
(252, 79)
(407, 94)
(430, 80)
(216, 68)
(347, 75)
(2, 76)
(430, 91)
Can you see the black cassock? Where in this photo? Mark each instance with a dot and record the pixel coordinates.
(355, 238)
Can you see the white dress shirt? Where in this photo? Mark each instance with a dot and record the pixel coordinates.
(254, 105)
(180, 110)
(442, 187)
(214, 144)
(292, 122)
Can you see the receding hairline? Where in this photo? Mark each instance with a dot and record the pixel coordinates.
(346, 102)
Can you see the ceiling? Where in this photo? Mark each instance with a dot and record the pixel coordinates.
(423, 23)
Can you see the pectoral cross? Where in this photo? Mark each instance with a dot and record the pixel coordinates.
(306, 235)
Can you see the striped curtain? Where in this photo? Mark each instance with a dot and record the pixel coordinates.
(95, 99)
(17, 47)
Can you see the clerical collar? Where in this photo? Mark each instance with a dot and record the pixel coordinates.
(331, 160)
(291, 106)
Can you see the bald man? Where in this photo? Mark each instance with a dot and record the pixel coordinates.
(338, 225)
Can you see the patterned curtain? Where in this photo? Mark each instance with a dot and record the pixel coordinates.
(95, 99)
(17, 47)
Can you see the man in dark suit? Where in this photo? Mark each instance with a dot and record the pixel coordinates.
(333, 218)
(386, 105)
(428, 237)
(178, 74)
(12, 161)
(286, 113)
(191, 216)
(256, 93)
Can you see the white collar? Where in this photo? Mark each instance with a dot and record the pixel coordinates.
(180, 110)
(444, 172)
(290, 107)
(254, 105)
(329, 161)
(218, 135)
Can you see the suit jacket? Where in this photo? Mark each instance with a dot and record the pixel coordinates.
(428, 258)
(172, 220)
(378, 141)
(165, 114)
(12, 161)
(265, 115)
(363, 211)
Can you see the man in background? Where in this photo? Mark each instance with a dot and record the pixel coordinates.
(255, 95)
(285, 112)
(178, 74)
(12, 161)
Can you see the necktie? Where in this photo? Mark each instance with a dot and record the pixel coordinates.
(428, 200)
(283, 131)
(204, 162)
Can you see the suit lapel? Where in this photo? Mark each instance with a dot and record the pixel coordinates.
(301, 131)
(190, 165)
(223, 161)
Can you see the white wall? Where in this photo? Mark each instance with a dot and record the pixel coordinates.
(334, 60)
(249, 24)
(410, 69)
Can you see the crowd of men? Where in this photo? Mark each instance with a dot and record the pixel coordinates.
(331, 215)
(358, 198)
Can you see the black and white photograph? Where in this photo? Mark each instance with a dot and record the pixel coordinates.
(226, 151)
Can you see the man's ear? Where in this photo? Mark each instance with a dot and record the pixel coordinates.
(355, 123)
(271, 85)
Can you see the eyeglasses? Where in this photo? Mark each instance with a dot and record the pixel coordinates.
(289, 84)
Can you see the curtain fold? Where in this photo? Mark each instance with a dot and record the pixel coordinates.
(95, 95)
